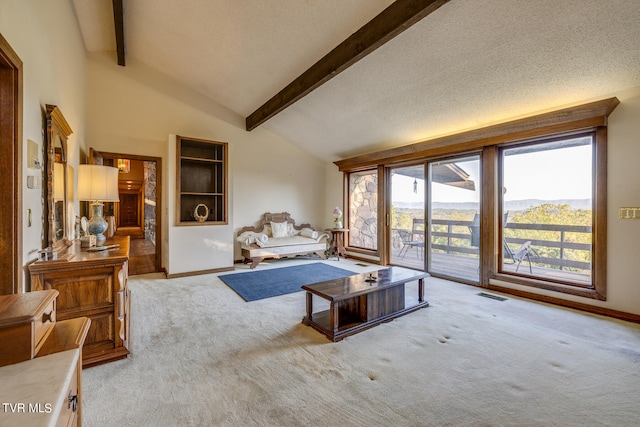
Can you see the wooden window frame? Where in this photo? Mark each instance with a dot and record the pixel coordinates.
(381, 213)
(572, 120)
(597, 288)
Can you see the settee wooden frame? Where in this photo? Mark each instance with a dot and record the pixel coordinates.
(255, 254)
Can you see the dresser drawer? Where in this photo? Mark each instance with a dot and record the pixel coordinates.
(70, 407)
(43, 324)
(26, 320)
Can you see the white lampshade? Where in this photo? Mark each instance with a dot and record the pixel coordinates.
(97, 182)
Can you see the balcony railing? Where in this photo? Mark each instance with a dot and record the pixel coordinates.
(459, 242)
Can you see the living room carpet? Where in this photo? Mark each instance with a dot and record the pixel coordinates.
(201, 356)
(269, 283)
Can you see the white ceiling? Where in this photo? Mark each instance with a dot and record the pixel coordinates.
(468, 64)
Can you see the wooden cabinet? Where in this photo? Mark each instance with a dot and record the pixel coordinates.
(201, 181)
(26, 320)
(93, 285)
(43, 386)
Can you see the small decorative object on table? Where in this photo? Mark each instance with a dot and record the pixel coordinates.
(87, 240)
(196, 213)
(47, 254)
(337, 214)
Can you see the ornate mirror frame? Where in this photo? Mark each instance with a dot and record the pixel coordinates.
(55, 186)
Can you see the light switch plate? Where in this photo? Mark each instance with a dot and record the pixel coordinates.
(629, 213)
(33, 155)
(33, 182)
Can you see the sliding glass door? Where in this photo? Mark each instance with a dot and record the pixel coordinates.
(453, 215)
(407, 217)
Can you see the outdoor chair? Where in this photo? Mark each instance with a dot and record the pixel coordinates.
(418, 228)
(408, 243)
(474, 229)
(517, 256)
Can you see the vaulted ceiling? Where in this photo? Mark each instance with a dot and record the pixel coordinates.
(466, 65)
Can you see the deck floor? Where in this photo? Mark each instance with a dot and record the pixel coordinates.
(467, 267)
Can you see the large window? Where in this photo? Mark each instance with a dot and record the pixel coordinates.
(547, 210)
(363, 210)
(540, 210)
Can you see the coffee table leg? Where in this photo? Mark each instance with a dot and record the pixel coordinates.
(420, 290)
(333, 318)
(309, 306)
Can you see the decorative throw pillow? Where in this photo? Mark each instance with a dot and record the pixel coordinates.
(290, 230)
(279, 229)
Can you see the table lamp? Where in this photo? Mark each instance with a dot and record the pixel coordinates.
(97, 184)
(337, 214)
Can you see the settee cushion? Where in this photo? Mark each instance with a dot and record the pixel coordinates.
(280, 229)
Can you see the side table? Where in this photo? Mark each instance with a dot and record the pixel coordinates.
(337, 242)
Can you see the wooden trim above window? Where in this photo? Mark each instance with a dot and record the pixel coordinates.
(585, 116)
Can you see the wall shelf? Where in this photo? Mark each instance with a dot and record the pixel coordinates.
(201, 180)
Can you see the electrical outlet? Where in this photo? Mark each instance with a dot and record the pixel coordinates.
(629, 213)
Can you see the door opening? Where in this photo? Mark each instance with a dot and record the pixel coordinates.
(138, 214)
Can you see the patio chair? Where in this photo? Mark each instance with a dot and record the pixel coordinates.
(474, 229)
(417, 230)
(524, 251)
(408, 243)
(517, 256)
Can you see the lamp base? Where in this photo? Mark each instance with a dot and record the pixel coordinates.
(97, 224)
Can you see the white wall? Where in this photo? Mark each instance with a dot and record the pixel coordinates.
(46, 37)
(133, 110)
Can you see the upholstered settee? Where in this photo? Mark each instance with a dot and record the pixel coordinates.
(278, 236)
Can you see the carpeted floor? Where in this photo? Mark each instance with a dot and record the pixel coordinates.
(204, 357)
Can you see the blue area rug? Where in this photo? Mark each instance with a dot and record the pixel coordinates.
(280, 281)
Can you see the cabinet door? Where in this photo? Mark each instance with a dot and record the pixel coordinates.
(88, 293)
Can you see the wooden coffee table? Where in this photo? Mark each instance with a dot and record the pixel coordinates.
(358, 303)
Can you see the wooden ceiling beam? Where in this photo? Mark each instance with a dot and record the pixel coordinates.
(392, 21)
(118, 20)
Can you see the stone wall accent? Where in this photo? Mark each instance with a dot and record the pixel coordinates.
(363, 210)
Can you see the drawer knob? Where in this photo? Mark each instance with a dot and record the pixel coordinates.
(47, 317)
(72, 401)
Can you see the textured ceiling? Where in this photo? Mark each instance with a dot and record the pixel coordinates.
(468, 64)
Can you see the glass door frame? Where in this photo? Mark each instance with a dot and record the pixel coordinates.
(388, 206)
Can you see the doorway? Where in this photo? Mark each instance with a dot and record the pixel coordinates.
(11, 165)
(138, 214)
(453, 213)
(407, 216)
(434, 217)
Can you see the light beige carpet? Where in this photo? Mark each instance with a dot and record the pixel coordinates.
(204, 357)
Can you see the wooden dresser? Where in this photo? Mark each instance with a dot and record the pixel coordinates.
(93, 285)
(42, 368)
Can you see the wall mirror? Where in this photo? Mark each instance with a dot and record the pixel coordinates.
(55, 181)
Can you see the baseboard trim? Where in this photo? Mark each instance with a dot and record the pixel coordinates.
(198, 273)
(621, 315)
